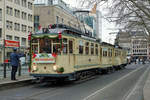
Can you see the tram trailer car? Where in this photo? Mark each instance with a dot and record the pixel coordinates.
(67, 54)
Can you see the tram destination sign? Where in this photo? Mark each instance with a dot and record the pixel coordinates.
(44, 58)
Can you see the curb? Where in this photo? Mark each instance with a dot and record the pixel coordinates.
(146, 89)
(15, 84)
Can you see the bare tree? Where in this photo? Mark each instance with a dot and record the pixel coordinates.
(131, 14)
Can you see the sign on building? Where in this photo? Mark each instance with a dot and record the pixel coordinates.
(9, 43)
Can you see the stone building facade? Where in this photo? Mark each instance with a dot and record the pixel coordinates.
(16, 21)
(56, 14)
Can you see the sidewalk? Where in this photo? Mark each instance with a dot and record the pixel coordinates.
(146, 89)
(8, 83)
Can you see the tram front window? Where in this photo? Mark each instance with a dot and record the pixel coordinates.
(45, 45)
(49, 45)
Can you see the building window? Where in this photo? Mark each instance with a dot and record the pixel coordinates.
(36, 23)
(23, 42)
(17, 27)
(17, 38)
(30, 5)
(57, 19)
(29, 29)
(24, 15)
(24, 3)
(9, 11)
(24, 28)
(8, 37)
(9, 25)
(50, 2)
(17, 13)
(29, 17)
(17, 2)
(0, 14)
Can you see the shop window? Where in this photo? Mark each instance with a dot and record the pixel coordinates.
(87, 48)
(23, 42)
(92, 48)
(70, 46)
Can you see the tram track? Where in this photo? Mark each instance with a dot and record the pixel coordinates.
(54, 91)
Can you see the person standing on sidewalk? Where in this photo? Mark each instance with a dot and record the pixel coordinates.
(14, 61)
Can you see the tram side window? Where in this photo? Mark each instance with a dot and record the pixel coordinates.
(96, 49)
(56, 46)
(105, 53)
(116, 53)
(81, 47)
(110, 52)
(87, 48)
(100, 51)
(70, 46)
(35, 45)
(92, 49)
(65, 46)
(35, 49)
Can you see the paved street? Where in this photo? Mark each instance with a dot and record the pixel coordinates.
(121, 85)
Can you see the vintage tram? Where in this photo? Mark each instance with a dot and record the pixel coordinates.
(68, 54)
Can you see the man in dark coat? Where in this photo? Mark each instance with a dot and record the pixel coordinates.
(14, 61)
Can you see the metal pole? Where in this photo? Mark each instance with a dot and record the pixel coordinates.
(4, 61)
(19, 69)
(4, 65)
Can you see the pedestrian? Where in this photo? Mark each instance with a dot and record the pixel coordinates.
(14, 61)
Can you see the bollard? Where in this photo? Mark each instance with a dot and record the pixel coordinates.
(4, 70)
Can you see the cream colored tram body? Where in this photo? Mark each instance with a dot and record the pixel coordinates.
(68, 54)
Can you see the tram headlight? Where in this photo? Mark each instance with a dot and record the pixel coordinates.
(55, 67)
(34, 68)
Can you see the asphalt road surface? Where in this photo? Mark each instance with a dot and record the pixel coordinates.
(124, 84)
